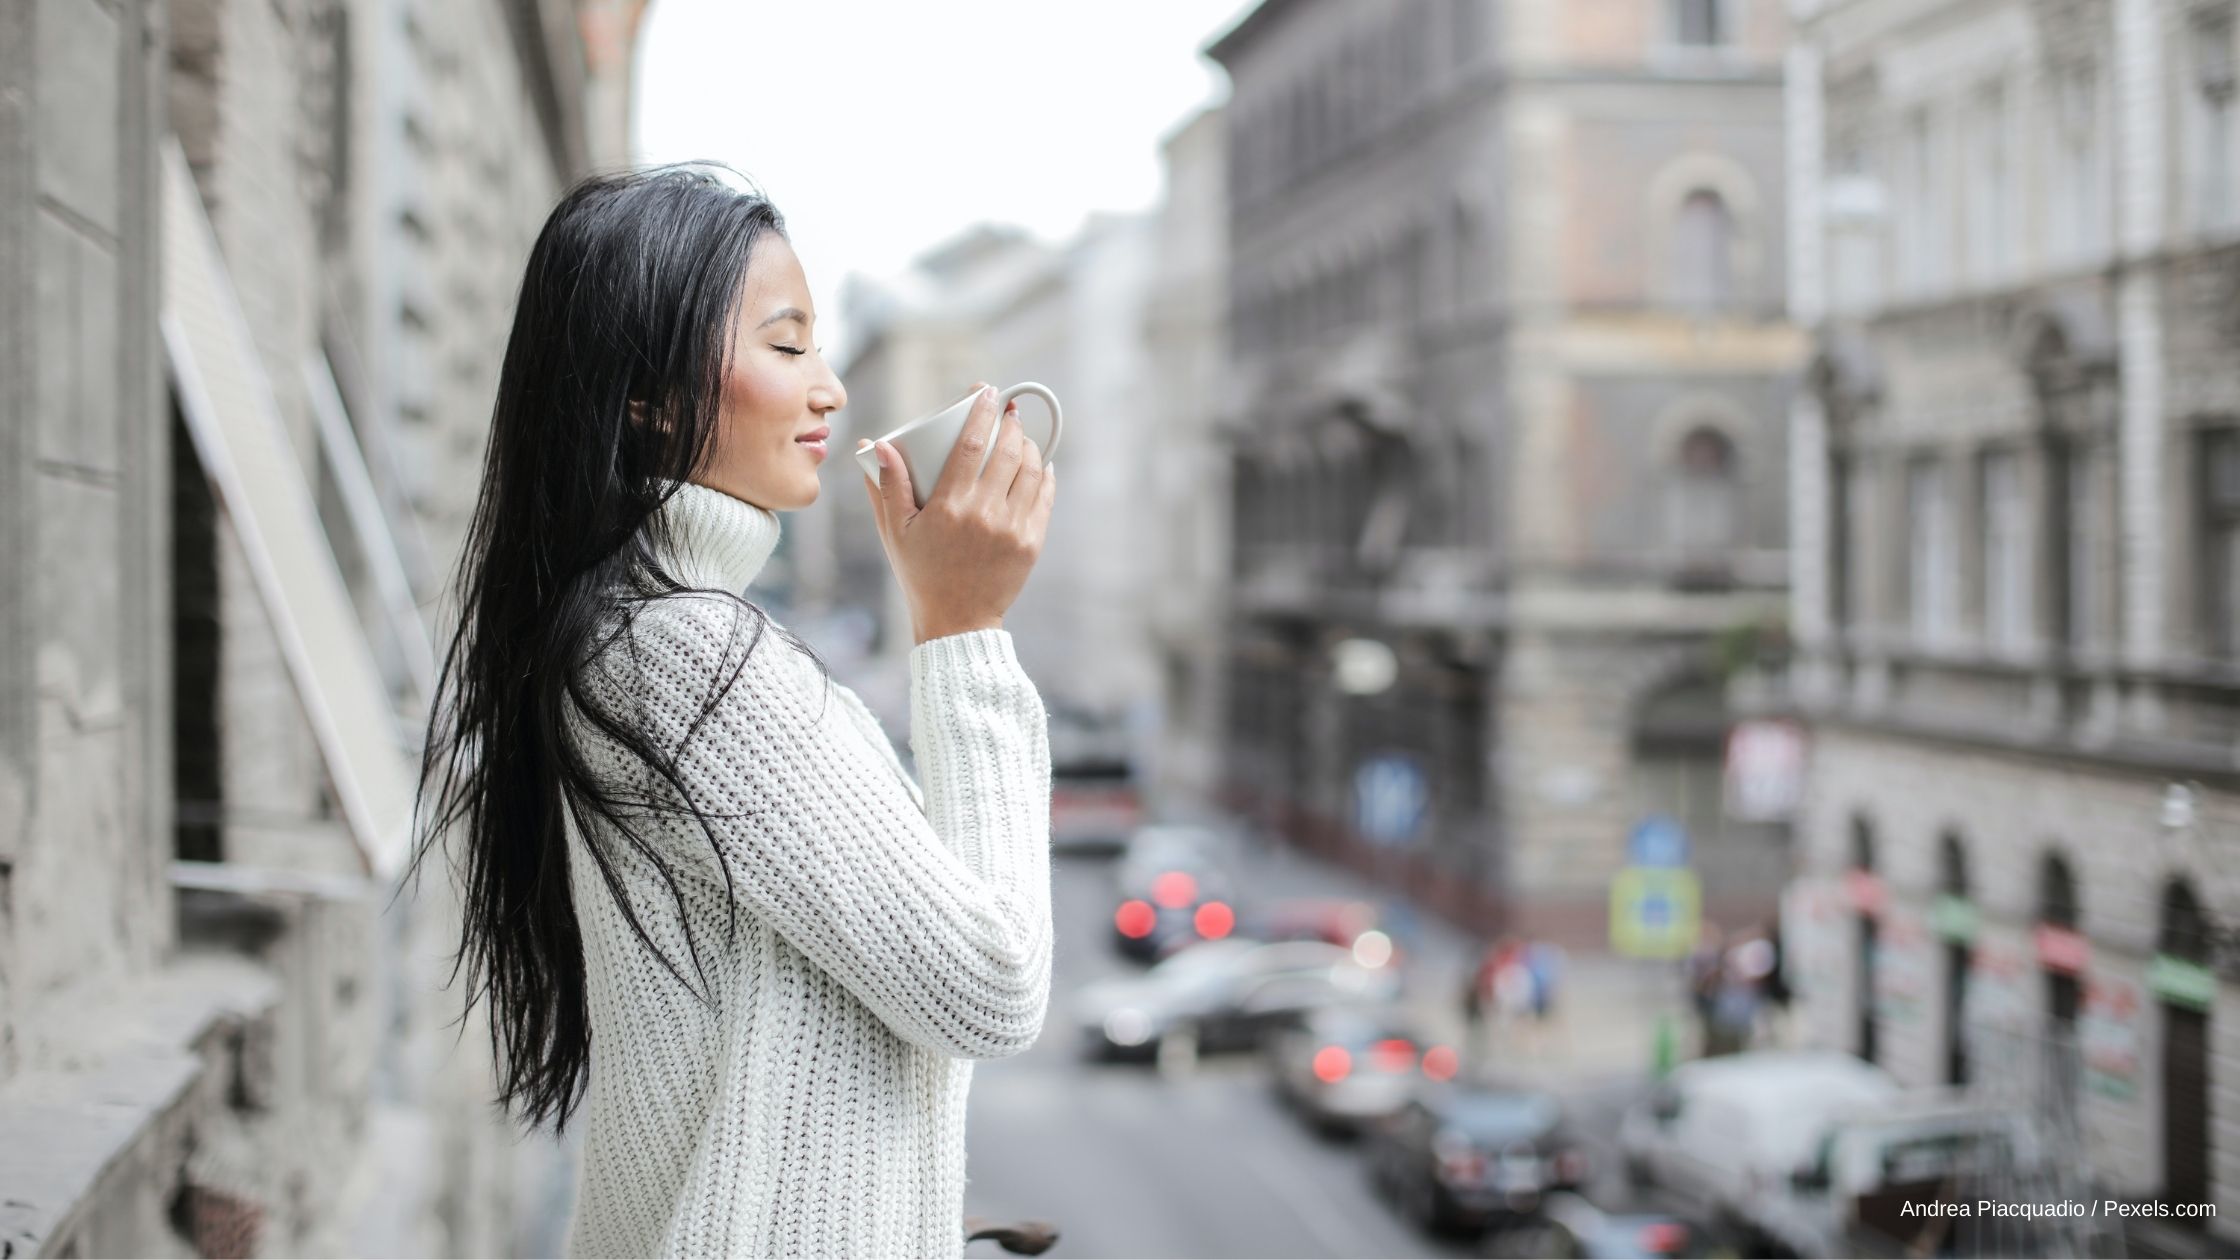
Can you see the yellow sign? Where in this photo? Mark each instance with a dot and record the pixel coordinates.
(1655, 911)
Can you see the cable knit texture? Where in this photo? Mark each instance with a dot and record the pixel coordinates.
(887, 936)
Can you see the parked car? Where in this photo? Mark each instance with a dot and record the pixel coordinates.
(1094, 805)
(1220, 996)
(1726, 1133)
(1345, 1066)
(1862, 1190)
(1350, 922)
(1174, 889)
(1570, 1228)
(1473, 1157)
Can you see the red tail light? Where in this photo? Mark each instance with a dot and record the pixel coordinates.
(1463, 1167)
(1174, 889)
(1332, 1064)
(1439, 1063)
(1664, 1238)
(1395, 1054)
(1134, 919)
(1214, 920)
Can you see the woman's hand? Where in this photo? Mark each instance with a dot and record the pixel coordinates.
(964, 556)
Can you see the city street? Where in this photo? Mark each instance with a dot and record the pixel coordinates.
(1129, 1163)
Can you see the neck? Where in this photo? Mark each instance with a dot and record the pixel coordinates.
(718, 541)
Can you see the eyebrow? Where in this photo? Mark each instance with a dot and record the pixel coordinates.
(781, 317)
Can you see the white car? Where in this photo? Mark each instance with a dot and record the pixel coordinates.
(1849, 1196)
(1729, 1131)
(1222, 995)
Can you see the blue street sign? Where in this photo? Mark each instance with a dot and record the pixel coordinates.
(1389, 799)
(1655, 911)
(1657, 841)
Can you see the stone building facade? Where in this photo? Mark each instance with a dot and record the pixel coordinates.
(2017, 566)
(998, 305)
(915, 343)
(217, 1034)
(1508, 399)
(1185, 484)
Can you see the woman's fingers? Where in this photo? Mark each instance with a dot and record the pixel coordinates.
(895, 497)
(1046, 495)
(1003, 467)
(1026, 485)
(962, 469)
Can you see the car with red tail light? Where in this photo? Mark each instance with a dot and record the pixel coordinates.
(1348, 1065)
(1469, 1157)
(1570, 1228)
(1174, 888)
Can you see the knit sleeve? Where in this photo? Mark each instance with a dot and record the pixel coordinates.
(938, 919)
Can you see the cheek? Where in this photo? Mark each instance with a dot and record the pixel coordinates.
(763, 404)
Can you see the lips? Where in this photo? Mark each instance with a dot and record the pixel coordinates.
(815, 440)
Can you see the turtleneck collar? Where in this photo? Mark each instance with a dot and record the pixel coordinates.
(722, 542)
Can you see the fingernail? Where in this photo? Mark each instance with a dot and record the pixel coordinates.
(988, 392)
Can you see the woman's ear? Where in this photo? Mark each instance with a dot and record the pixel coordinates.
(639, 412)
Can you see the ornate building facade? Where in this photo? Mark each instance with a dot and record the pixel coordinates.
(1507, 430)
(2017, 601)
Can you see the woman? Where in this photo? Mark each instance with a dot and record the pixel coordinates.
(700, 892)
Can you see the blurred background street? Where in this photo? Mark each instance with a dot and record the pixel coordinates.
(1642, 640)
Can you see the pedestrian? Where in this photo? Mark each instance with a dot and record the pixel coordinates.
(685, 844)
(1499, 991)
(1704, 965)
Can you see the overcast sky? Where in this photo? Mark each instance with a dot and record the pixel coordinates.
(882, 127)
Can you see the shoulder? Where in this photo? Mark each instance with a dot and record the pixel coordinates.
(692, 639)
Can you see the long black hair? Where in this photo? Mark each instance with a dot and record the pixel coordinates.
(611, 388)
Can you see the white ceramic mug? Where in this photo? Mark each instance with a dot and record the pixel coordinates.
(925, 442)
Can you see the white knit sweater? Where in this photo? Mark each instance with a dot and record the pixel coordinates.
(886, 937)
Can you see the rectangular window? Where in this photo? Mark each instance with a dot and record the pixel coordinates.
(1699, 23)
(1840, 531)
(1987, 186)
(2084, 503)
(2006, 557)
(2220, 541)
(1924, 232)
(1932, 557)
(1853, 206)
(2074, 215)
(2213, 193)
(1868, 552)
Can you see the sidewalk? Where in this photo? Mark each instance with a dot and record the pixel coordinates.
(1605, 1023)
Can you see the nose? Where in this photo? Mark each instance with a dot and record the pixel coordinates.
(829, 394)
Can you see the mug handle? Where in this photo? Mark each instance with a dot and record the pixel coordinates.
(1057, 417)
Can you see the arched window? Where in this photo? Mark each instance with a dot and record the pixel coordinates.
(1952, 866)
(2057, 892)
(1703, 253)
(2189, 998)
(2184, 932)
(2057, 922)
(1952, 882)
(1704, 513)
(1862, 843)
(1868, 943)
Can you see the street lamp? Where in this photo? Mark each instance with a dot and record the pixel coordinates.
(1363, 667)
